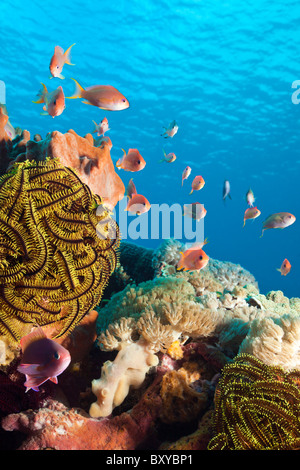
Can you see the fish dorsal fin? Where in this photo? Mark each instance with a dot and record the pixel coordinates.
(35, 335)
(58, 50)
(197, 245)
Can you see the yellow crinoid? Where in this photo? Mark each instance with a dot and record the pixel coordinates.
(257, 407)
(56, 250)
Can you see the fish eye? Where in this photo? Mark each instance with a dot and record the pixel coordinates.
(123, 100)
(139, 161)
(144, 203)
(57, 66)
(54, 102)
(200, 257)
(56, 355)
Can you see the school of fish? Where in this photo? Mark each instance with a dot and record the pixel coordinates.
(43, 358)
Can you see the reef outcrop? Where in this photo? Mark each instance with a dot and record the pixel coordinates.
(92, 163)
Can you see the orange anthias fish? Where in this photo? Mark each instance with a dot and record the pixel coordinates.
(170, 158)
(186, 173)
(285, 267)
(131, 189)
(194, 258)
(197, 183)
(195, 211)
(102, 127)
(278, 220)
(103, 96)
(54, 101)
(58, 60)
(251, 213)
(3, 123)
(132, 161)
(250, 198)
(138, 204)
(43, 359)
(171, 130)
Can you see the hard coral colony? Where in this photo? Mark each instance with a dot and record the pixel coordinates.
(188, 350)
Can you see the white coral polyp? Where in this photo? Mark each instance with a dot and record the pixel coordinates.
(275, 341)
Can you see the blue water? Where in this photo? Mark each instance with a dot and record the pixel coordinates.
(223, 69)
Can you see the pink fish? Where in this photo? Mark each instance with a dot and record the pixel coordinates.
(132, 161)
(250, 197)
(170, 158)
(138, 204)
(194, 258)
(195, 211)
(58, 60)
(43, 359)
(54, 101)
(251, 213)
(279, 220)
(103, 96)
(171, 130)
(186, 173)
(198, 183)
(102, 127)
(131, 189)
(285, 267)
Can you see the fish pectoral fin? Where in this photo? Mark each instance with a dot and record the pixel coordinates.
(40, 100)
(62, 77)
(86, 102)
(53, 379)
(29, 369)
(44, 113)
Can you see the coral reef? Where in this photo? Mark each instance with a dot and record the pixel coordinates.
(164, 339)
(93, 164)
(180, 402)
(55, 426)
(128, 370)
(53, 263)
(257, 407)
(198, 440)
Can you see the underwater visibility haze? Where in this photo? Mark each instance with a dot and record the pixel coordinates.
(174, 126)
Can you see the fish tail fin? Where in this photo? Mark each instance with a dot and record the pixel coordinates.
(67, 55)
(205, 241)
(244, 223)
(41, 94)
(78, 91)
(262, 233)
(96, 127)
